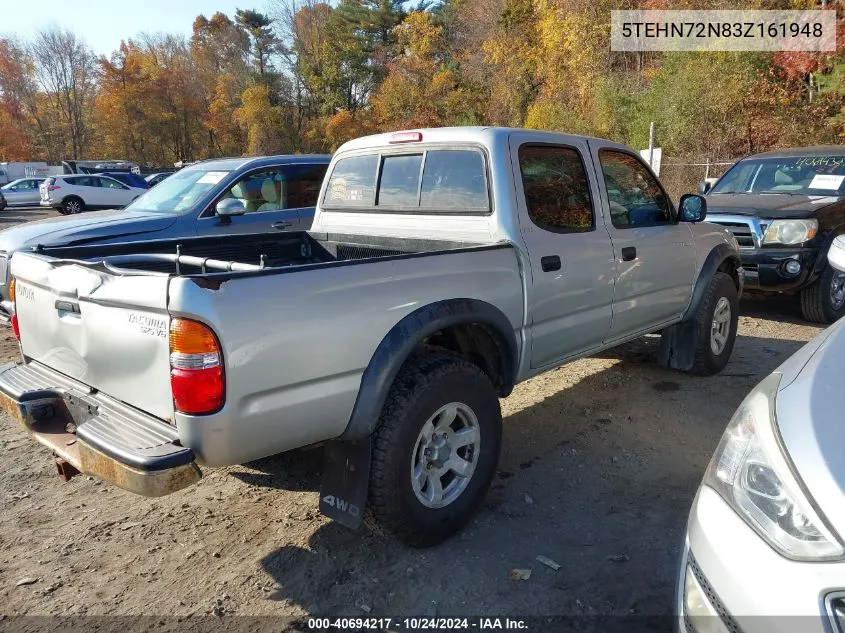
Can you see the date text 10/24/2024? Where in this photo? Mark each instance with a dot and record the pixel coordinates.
(418, 624)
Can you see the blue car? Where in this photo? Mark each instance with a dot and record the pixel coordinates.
(127, 178)
(258, 195)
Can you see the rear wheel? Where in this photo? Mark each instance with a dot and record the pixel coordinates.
(73, 205)
(435, 450)
(824, 301)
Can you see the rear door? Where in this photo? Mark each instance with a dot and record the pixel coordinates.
(109, 332)
(571, 256)
(88, 188)
(278, 198)
(655, 254)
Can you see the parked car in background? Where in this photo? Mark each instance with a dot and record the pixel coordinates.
(22, 192)
(128, 178)
(765, 534)
(3, 203)
(71, 194)
(784, 208)
(273, 193)
(443, 267)
(154, 179)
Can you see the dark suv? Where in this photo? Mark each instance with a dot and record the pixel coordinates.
(785, 207)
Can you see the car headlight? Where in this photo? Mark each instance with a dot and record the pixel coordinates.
(790, 231)
(751, 472)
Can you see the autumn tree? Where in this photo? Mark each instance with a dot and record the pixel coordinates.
(421, 88)
(66, 69)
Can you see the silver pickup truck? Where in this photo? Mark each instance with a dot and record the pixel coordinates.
(443, 267)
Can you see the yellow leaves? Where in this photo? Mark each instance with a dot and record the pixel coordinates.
(419, 36)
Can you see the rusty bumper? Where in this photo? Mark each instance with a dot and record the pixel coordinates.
(95, 434)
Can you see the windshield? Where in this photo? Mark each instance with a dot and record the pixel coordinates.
(179, 192)
(796, 175)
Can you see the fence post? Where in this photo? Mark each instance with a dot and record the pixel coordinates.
(651, 145)
(707, 169)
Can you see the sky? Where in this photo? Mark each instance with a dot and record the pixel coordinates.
(104, 23)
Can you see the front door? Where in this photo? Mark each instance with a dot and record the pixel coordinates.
(571, 257)
(655, 254)
(113, 193)
(275, 199)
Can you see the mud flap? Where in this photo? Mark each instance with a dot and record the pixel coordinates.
(677, 345)
(346, 479)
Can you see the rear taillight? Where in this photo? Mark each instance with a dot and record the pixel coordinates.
(52, 187)
(196, 368)
(13, 298)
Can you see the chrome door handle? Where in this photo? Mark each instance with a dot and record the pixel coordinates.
(282, 224)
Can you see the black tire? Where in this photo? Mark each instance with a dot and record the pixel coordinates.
(817, 301)
(425, 385)
(707, 362)
(72, 205)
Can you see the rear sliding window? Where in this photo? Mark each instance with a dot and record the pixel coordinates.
(436, 181)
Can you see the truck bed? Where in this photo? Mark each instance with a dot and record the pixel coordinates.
(247, 252)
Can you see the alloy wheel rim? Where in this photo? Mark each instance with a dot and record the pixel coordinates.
(73, 206)
(445, 455)
(837, 290)
(721, 326)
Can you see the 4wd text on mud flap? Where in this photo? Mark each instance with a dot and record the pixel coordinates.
(343, 506)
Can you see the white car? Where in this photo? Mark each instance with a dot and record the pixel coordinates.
(765, 534)
(75, 193)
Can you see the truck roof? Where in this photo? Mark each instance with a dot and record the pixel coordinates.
(486, 135)
(789, 152)
(232, 163)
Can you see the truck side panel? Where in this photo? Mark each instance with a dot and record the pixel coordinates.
(294, 362)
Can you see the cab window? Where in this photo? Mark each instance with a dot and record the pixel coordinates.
(636, 198)
(556, 189)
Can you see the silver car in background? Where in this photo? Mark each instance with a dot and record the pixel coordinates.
(22, 192)
(765, 534)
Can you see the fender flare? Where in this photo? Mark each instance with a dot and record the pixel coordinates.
(400, 342)
(821, 258)
(715, 258)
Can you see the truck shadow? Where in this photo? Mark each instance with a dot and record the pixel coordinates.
(599, 465)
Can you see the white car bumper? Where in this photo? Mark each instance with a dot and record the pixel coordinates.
(730, 571)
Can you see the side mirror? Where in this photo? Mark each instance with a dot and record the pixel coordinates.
(836, 254)
(704, 186)
(229, 207)
(693, 208)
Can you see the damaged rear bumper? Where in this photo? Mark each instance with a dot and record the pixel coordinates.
(96, 434)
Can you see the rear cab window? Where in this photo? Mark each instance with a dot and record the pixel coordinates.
(412, 180)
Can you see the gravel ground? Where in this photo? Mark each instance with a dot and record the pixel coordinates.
(600, 461)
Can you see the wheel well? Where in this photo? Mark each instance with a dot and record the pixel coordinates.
(729, 266)
(479, 344)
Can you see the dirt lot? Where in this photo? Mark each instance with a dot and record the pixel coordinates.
(600, 461)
